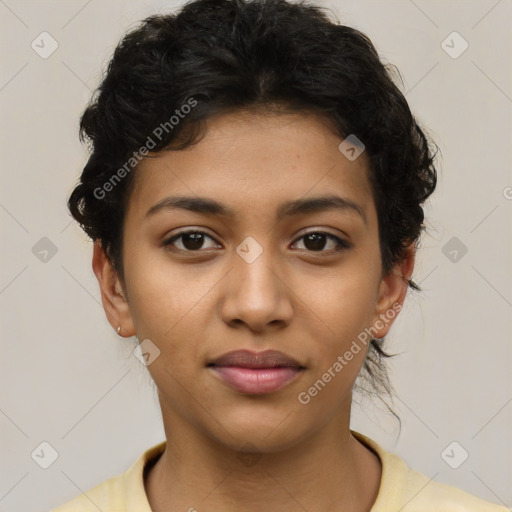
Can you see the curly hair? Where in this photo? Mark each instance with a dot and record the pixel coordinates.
(235, 54)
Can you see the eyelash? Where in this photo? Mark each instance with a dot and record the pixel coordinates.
(342, 244)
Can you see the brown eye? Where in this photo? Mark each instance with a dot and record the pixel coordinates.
(317, 240)
(191, 241)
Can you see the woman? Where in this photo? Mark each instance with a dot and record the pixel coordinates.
(255, 194)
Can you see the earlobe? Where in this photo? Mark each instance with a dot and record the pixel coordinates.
(392, 292)
(113, 298)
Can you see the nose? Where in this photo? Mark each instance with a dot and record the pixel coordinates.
(256, 296)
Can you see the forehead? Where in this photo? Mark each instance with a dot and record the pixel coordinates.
(250, 161)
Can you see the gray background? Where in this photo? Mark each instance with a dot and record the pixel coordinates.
(66, 378)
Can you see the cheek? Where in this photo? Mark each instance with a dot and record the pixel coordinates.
(156, 297)
(344, 303)
(345, 306)
(168, 306)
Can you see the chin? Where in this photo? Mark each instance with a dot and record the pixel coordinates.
(265, 429)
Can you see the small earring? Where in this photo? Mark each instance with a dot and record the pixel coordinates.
(118, 329)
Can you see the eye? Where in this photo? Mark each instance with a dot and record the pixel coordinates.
(191, 240)
(316, 240)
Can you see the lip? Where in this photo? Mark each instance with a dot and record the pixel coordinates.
(256, 372)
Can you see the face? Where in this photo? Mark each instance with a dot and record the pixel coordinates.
(250, 263)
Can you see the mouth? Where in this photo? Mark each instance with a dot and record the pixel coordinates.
(256, 372)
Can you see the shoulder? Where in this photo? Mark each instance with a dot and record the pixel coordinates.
(407, 490)
(422, 494)
(106, 496)
(121, 493)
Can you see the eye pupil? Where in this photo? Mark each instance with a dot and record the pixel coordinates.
(318, 240)
(195, 238)
(193, 241)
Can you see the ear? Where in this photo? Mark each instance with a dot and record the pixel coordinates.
(113, 297)
(392, 292)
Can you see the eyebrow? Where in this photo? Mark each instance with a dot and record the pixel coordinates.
(209, 206)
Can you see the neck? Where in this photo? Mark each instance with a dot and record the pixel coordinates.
(330, 471)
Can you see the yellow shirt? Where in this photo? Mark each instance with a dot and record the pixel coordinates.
(401, 489)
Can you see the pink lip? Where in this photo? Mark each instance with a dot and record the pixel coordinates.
(256, 373)
(256, 380)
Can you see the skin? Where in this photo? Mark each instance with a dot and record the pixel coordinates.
(307, 302)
